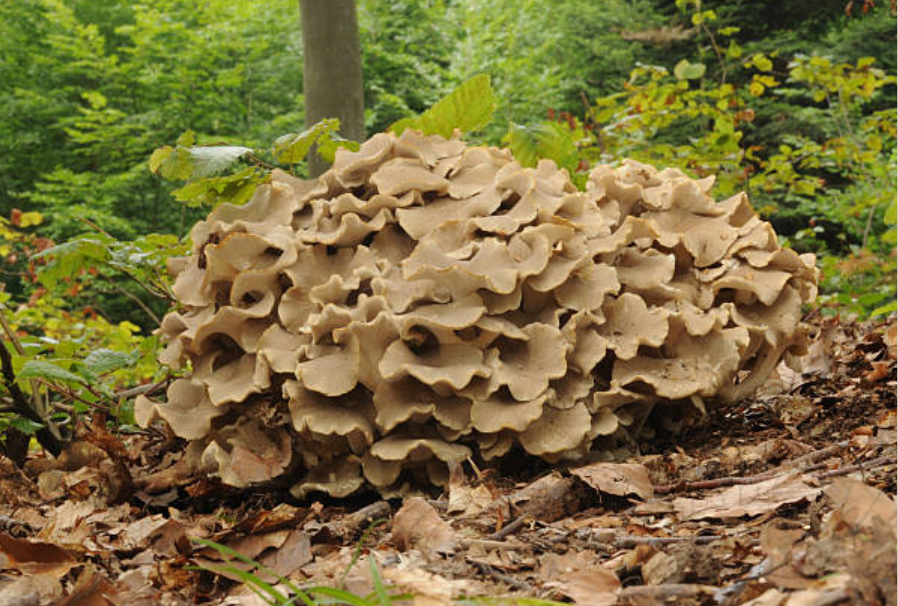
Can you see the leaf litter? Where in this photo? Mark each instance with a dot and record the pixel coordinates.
(786, 499)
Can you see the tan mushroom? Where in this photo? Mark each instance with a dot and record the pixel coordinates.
(425, 300)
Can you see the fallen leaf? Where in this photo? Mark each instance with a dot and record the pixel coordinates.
(281, 516)
(659, 568)
(771, 597)
(880, 371)
(91, 589)
(428, 588)
(30, 589)
(890, 337)
(34, 556)
(862, 506)
(418, 526)
(751, 500)
(295, 552)
(777, 542)
(619, 479)
(831, 589)
(575, 575)
(465, 499)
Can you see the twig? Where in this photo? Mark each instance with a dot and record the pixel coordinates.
(844, 471)
(96, 227)
(501, 576)
(715, 483)
(817, 455)
(723, 67)
(145, 390)
(133, 297)
(656, 541)
(488, 544)
(510, 528)
(161, 295)
(811, 457)
(69, 393)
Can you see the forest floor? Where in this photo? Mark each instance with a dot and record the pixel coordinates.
(786, 499)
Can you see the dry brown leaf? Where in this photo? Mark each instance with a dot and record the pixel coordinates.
(619, 479)
(890, 337)
(91, 589)
(777, 542)
(575, 575)
(296, 551)
(418, 526)
(831, 589)
(34, 556)
(465, 499)
(659, 569)
(750, 500)
(862, 506)
(428, 588)
(30, 589)
(771, 597)
(819, 360)
(879, 372)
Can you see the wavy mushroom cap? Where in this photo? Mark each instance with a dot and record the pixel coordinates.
(424, 302)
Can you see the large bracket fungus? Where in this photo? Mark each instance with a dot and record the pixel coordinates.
(424, 302)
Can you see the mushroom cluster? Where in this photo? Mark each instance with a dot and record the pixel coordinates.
(424, 302)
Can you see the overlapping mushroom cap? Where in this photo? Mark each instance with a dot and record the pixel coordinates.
(424, 302)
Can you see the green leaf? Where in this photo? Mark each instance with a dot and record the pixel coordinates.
(328, 149)
(26, 425)
(547, 140)
(71, 257)
(235, 189)
(41, 369)
(102, 361)
(293, 148)
(187, 138)
(381, 593)
(891, 214)
(209, 160)
(884, 309)
(468, 108)
(684, 70)
(160, 155)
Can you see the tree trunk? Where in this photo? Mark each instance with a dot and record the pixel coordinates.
(332, 69)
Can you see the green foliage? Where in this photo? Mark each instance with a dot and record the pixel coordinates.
(310, 596)
(322, 595)
(468, 108)
(548, 140)
(39, 369)
(293, 148)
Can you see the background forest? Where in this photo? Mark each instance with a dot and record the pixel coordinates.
(793, 102)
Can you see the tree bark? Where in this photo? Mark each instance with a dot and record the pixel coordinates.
(332, 69)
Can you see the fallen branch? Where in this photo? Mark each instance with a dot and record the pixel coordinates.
(501, 576)
(510, 528)
(844, 471)
(811, 457)
(144, 390)
(658, 541)
(351, 525)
